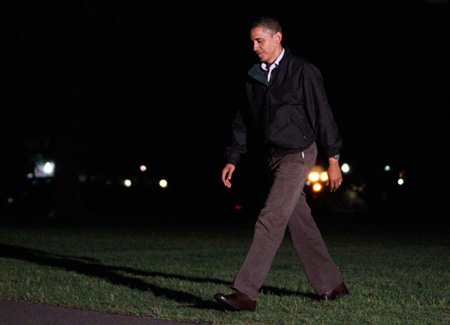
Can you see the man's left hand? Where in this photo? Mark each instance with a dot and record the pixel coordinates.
(334, 174)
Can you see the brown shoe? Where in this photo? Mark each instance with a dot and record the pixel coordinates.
(236, 301)
(339, 291)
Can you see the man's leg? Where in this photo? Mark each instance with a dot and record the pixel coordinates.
(320, 269)
(290, 173)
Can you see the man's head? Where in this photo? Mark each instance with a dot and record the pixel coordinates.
(266, 35)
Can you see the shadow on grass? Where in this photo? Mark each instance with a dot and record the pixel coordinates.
(90, 267)
(265, 289)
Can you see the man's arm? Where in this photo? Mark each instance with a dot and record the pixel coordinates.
(323, 122)
(237, 148)
(238, 145)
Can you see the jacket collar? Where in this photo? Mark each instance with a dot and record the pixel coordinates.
(257, 73)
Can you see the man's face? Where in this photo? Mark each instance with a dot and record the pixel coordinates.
(265, 45)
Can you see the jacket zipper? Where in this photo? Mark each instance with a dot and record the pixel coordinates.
(266, 117)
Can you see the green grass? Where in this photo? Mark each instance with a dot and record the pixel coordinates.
(173, 274)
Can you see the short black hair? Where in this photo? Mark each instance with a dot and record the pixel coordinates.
(268, 23)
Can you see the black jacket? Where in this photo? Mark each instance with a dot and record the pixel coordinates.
(286, 114)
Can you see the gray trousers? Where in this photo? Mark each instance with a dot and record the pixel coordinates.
(286, 206)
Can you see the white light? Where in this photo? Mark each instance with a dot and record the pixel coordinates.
(317, 187)
(400, 181)
(308, 183)
(49, 167)
(324, 176)
(163, 183)
(127, 183)
(44, 170)
(345, 168)
(387, 168)
(143, 168)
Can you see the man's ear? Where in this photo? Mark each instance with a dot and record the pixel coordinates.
(278, 37)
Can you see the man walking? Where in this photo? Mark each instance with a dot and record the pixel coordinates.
(289, 114)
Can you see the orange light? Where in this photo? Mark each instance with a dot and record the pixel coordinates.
(317, 187)
(324, 176)
(313, 177)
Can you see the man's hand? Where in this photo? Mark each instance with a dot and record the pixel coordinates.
(227, 172)
(334, 174)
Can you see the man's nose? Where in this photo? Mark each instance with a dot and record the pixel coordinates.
(255, 46)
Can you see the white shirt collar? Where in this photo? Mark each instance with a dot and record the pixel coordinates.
(273, 65)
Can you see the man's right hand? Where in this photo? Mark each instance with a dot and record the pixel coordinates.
(227, 172)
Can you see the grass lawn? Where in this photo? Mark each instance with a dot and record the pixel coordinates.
(173, 274)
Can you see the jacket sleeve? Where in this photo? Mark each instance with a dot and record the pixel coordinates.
(319, 111)
(238, 145)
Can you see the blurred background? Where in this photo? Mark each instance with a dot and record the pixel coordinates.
(119, 111)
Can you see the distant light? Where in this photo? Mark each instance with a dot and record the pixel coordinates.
(44, 169)
(345, 168)
(30, 175)
(49, 167)
(324, 176)
(127, 183)
(317, 187)
(313, 177)
(400, 181)
(10, 200)
(308, 183)
(143, 168)
(387, 168)
(163, 183)
(238, 207)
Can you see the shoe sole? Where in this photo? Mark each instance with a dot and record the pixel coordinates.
(342, 294)
(225, 303)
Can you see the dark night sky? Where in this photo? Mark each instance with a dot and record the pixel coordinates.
(126, 82)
